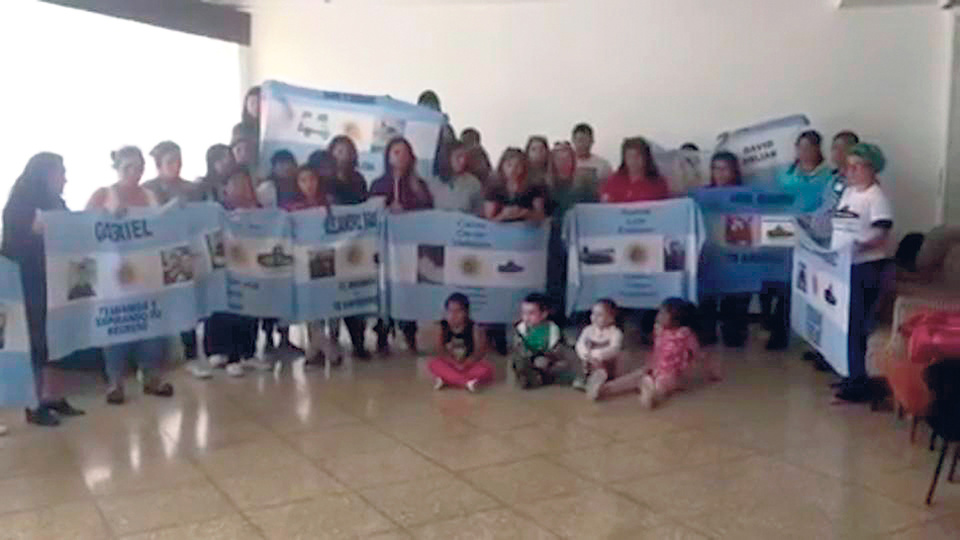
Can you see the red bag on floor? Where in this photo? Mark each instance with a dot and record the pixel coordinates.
(931, 336)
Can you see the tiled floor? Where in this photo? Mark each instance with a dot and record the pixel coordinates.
(378, 454)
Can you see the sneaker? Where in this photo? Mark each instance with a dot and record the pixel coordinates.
(217, 360)
(157, 388)
(472, 385)
(579, 384)
(235, 369)
(200, 369)
(438, 383)
(42, 416)
(258, 364)
(594, 383)
(116, 396)
(63, 408)
(648, 391)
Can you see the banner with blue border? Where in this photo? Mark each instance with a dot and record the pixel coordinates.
(820, 301)
(336, 260)
(302, 120)
(17, 387)
(637, 254)
(259, 263)
(432, 254)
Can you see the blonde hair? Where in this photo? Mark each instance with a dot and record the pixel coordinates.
(123, 153)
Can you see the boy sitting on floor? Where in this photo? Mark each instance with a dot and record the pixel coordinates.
(540, 357)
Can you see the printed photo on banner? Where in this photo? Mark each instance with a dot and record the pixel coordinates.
(3, 326)
(674, 254)
(81, 277)
(777, 231)
(216, 249)
(322, 263)
(177, 265)
(739, 230)
(430, 264)
(636, 254)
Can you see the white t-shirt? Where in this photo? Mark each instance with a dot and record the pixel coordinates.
(857, 213)
(592, 171)
(464, 193)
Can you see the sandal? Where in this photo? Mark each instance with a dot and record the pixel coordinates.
(159, 389)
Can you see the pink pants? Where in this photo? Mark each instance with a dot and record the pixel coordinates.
(452, 374)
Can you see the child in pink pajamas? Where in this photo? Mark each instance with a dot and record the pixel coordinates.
(676, 350)
(462, 349)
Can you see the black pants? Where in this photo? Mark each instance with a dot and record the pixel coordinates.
(234, 336)
(730, 310)
(35, 304)
(866, 283)
(189, 339)
(775, 307)
(384, 327)
(356, 326)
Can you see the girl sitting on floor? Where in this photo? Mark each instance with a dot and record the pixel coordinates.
(462, 348)
(676, 351)
(599, 347)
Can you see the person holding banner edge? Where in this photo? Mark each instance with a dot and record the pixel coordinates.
(404, 191)
(149, 354)
(864, 217)
(37, 189)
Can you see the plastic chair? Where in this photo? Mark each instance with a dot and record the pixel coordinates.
(943, 380)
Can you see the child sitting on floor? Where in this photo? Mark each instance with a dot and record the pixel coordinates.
(675, 354)
(462, 348)
(599, 348)
(539, 357)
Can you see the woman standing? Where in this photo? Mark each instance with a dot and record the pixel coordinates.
(538, 156)
(348, 187)
(149, 354)
(168, 185)
(219, 164)
(864, 218)
(638, 178)
(733, 308)
(563, 193)
(404, 191)
(810, 174)
(38, 188)
(513, 198)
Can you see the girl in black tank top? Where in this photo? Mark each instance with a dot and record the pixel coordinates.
(458, 344)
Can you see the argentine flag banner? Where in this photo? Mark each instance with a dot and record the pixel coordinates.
(637, 254)
(433, 254)
(16, 372)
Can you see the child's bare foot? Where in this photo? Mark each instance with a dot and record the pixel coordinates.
(594, 383)
(648, 392)
(438, 383)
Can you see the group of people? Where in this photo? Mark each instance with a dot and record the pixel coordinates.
(528, 184)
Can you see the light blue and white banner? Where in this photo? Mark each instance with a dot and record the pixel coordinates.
(114, 279)
(259, 263)
(637, 254)
(750, 235)
(765, 148)
(433, 254)
(820, 301)
(17, 388)
(336, 260)
(303, 120)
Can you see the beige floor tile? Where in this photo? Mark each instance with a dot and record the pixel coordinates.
(329, 516)
(205, 437)
(613, 463)
(782, 520)
(629, 427)
(259, 456)
(663, 532)
(376, 468)
(686, 493)
(422, 427)
(278, 486)
(552, 439)
(128, 514)
(31, 492)
(690, 448)
(526, 481)
(944, 528)
(845, 462)
(35, 454)
(343, 440)
(490, 525)
(428, 499)
(909, 486)
(472, 451)
(595, 513)
(110, 477)
(504, 415)
(306, 418)
(227, 528)
(76, 521)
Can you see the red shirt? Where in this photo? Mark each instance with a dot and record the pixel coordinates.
(619, 189)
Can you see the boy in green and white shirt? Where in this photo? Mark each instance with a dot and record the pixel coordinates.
(538, 357)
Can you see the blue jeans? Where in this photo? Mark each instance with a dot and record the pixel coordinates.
(149, 355)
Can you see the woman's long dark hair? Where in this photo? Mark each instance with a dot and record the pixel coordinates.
(387, 170)
(246, 118)
(32, 186)
(343, 139)
(813, 137)
(214, 154)
(639, 143)
(731, 159)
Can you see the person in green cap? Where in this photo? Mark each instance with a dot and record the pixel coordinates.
(864, 218)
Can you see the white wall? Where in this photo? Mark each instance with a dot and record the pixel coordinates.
(673, 70)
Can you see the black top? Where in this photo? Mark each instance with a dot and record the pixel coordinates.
(20, 243)
(460, 345)
(524, 199)
(353, 191)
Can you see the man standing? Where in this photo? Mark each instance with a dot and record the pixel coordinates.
(592, 170)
